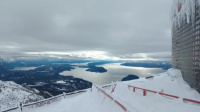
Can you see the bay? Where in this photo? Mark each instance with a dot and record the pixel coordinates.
(115, 73)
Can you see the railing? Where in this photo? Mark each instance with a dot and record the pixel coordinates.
(118, 103)
(14, 108)
(43, 102)
(110, 85)
(164, 94)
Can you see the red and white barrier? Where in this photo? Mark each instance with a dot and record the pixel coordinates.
(173, 96)
(117, 102)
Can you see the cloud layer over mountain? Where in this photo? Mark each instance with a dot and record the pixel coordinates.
(113, 29)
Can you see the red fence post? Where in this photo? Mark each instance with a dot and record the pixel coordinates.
(144, 93)
(173, 96)
(124, 108)
(113, 89)
(133, 89)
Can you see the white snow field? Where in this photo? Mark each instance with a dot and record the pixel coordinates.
(170, 82)
(11, 94)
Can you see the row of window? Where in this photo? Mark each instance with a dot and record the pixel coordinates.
(183, 44)
(184, 33)
(196, 43)
(197, 10)
(182, 51)
(185, 27)
(196, 48)
(197, 32)
(196, 58)
(197, 21)
(196, 54)
(182, 38)
(187, 49)
(197, 67)
(197, 27)
(197, 37)
(184, 55)
(197, 63)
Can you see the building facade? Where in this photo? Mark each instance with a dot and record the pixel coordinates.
(186, 40)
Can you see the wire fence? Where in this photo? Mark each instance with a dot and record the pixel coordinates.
(41, 103)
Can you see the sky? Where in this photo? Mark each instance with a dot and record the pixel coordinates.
(86, 29)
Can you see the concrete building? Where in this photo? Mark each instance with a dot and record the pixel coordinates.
(186, 40)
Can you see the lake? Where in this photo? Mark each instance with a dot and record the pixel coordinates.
(115, 73)
(24, 68)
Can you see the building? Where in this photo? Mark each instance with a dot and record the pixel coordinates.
(186, 40)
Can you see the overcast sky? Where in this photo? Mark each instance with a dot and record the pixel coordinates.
(86, 29)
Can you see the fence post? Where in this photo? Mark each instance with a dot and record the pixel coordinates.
(133, 89)
(144, 93)
(113, 88)
(64, 94)
(20, 104)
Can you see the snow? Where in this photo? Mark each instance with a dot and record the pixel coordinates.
(187, 11)
(155, 102)
(170, 82)
(60, 82)
(86, 102)
(11, 94)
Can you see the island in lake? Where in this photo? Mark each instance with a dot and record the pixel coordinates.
(94, 68)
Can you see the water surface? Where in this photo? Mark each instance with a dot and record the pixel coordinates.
(115, 73)
(24, 68)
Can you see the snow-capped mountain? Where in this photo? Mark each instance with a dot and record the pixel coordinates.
(6, 59)
(11, 94)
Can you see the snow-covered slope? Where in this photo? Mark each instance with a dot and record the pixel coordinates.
(11, 94)
(170, 82)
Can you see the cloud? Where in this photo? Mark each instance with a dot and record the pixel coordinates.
(116, 27)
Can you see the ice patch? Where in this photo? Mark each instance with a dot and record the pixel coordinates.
(183, 10)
